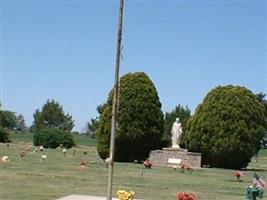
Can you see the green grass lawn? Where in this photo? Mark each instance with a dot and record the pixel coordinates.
(21, 137)
(28, 137)
(84, 140)
(60, 176)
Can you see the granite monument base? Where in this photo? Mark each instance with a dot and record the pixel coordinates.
(175, 157)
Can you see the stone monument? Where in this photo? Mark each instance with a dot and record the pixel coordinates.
(174, 155)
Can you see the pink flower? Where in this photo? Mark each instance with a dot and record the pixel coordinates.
(238, 174)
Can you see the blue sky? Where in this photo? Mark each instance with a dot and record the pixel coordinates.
(65, 50)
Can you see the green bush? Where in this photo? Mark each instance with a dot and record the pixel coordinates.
(4, 135)
(52, 138)
(227, 127)
(140, 120)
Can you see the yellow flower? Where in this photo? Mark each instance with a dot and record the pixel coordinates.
(125, 195)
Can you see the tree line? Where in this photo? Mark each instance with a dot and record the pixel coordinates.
(226, 127)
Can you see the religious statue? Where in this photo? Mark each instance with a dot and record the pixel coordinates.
(176, 133)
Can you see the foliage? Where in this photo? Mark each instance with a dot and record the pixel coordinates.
(11, 121)
(93, 124)
(261, 98)
(4, 135)
(227, 127)
(179, 111)
(52, 116)
(140, 120)
(7, 124)
(91, 127)
(8, 119)
(53, 138)
(21, 126)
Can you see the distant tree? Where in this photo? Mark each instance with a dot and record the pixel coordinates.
(7, 124)
(21, 126)
(52, 116)
(75, 133)
(93, 124)
(31, 128)
(140, 120)
(91, 127)
(227, 127)
(179, 111)
(8, 119)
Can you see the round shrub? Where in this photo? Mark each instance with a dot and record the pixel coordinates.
(52, 138)
(227, 127)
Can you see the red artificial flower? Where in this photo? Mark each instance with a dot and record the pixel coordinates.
(185, 196)
(187, 166)
(147, 163)
(238, 174)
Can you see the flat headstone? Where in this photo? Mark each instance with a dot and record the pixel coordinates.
(85, 197)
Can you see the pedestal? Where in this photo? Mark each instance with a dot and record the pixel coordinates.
(163, 157)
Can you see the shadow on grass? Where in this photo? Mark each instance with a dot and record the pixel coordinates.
(235, 181)
(233, 193)
(257, 170)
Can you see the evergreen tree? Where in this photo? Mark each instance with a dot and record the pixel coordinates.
(21, 126)
(261, 97)
(7, 123)
(227, 127)
(93, 124)
(52, 116)
(140, 120)
(8, 119)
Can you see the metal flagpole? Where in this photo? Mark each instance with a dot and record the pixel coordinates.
(115, 102)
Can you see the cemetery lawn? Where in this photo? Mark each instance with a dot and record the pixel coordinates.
(59, 176)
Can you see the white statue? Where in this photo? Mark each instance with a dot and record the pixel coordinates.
(176, 133)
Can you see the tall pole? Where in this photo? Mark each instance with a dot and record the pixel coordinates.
(115, 105)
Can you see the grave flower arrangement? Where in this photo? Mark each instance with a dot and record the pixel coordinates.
(256, 189)
(238, 174)
(186, 196)
(125, 195)
(147, 163)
